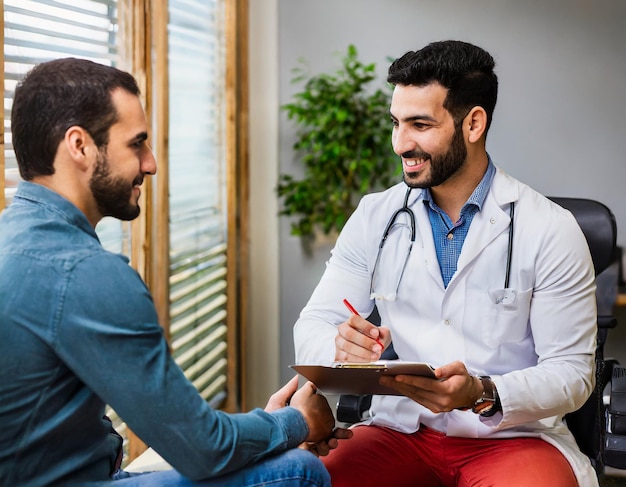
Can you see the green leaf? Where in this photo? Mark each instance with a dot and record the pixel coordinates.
(343, 144)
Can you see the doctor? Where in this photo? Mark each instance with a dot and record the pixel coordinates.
(473, 272)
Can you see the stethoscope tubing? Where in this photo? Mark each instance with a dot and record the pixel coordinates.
(405, 209)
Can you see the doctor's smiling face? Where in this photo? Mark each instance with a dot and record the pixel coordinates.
(425, 136)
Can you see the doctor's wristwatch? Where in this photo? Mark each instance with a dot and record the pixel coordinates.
(488, 403)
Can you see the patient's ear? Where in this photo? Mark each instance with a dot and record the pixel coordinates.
(79, 146)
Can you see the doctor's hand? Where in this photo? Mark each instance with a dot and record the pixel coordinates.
(454, 388)
(358, 340)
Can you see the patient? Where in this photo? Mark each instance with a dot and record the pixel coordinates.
(78, 328)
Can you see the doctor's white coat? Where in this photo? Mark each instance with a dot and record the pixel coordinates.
(536, 338)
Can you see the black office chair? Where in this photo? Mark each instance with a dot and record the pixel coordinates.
(604, 442)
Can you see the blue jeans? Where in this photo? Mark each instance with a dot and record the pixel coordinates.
(293, 468)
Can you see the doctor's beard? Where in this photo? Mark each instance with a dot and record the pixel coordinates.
(441, 167)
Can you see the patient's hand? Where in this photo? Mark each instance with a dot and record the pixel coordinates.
(323, 448)
(281, 397)
(316, 411)
(323, 435)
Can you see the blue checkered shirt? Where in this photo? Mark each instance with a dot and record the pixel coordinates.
(448, 235)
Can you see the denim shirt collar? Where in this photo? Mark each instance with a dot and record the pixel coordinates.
(53, 201)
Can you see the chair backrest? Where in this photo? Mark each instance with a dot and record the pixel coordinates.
(598, 224)
(588, 424)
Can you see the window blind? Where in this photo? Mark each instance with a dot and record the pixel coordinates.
(197, 194)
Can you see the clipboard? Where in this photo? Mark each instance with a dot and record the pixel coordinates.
(360, 378)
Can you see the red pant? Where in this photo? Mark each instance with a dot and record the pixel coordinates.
(380, 457)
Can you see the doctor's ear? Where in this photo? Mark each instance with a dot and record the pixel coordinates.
(475, 124)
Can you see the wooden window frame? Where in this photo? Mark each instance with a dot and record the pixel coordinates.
(144, 24)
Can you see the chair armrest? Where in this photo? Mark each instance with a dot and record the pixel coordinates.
(353, 409)
(607, 321)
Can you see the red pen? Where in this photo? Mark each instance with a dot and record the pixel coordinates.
(355, 312)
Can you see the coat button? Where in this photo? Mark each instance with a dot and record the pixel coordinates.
(446, 322)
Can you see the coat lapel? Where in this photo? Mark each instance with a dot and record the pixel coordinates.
(491, 221)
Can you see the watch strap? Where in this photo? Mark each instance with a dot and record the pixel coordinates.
(489, 403)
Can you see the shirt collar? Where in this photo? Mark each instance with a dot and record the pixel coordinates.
(44, 196)
(477, 198)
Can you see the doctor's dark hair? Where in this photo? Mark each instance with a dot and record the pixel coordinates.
(465, 70)
(59, 94)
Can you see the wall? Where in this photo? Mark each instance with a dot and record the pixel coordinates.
(262, 360)
(559, 124)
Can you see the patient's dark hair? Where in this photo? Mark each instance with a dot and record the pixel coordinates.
(55, 96)
(465, 70)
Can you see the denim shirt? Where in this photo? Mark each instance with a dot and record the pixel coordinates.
(78, 330)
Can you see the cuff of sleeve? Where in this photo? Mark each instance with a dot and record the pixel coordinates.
(292, 423)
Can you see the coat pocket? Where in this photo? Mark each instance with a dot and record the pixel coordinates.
(505, 316)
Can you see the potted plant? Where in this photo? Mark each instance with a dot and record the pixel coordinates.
(343, 142)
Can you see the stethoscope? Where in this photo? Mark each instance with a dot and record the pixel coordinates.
(405, 209)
